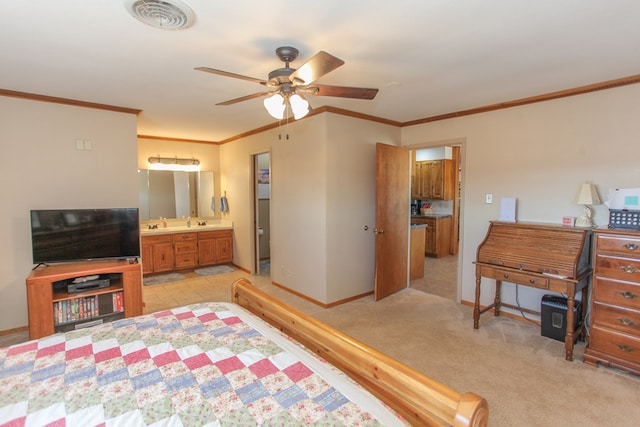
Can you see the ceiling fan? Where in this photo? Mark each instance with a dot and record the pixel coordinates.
(289, 86)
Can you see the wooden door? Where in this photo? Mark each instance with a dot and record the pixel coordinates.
(392, 220)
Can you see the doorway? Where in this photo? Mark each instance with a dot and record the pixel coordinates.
(442, 272)
(262, 213)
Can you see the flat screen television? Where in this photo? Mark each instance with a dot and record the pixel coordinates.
(61, 235)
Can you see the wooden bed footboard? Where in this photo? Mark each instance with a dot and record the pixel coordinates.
(418, 398)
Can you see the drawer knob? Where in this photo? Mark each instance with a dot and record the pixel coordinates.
(629, 269)
(626, 348)
(506, 275)
(532, 281)
(628, 295)
(626, 322)
(632, 246)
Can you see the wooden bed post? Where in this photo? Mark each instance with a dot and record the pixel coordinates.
(419, 399)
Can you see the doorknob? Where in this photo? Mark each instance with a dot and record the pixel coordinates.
(378, 231)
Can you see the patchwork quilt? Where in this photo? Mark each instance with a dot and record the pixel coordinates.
(211, 364)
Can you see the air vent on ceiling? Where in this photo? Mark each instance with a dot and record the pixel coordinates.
(163, 14)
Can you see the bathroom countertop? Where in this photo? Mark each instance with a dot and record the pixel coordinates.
(433, 215)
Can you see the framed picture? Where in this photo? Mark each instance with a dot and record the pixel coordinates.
(263, 176)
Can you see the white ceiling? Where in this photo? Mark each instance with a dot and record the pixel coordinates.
(427, 57)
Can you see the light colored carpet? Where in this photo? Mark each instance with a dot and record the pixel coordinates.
(212, 271)
(523, 376)
(162, 278)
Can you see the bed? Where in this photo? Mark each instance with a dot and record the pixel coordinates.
(255, 361)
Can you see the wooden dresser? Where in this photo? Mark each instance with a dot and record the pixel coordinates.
(614, 326)
(543, 256)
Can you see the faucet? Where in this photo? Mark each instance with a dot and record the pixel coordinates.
(202, 223)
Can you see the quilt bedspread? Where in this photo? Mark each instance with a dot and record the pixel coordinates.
(206, 364)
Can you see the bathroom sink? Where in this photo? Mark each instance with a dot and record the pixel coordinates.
(184, 229)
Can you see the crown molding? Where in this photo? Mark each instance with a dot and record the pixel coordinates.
(580, 90)
(66, 101)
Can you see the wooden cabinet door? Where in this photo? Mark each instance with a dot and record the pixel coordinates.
(207, 251)
(162, 257)
(430, 243)
(146, 257)
(224, 249)
(416, 181)
(434, 179)
(434, 183)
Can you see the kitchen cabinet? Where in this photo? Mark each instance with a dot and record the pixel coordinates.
(157, 254)
(433, 180)
(437, 235)
(185, 247)
(416, 259)
(215, 247)
(176, 251)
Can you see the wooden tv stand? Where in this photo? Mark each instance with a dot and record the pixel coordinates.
(41, 296)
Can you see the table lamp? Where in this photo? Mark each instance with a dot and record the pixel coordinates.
(587, 196)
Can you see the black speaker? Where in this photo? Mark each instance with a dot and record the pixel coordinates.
(553, 316)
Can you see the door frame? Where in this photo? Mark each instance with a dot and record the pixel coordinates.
(255, 208)
(462, 143)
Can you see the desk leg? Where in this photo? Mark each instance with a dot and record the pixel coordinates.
(568, 338)
(476, 305)
(496, 300)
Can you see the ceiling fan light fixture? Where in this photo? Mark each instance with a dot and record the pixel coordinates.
(275, 105)
(299, 106)
(163, 14)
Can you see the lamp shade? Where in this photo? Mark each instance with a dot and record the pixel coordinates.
(275, 106)
(587, 195)
(299, 106)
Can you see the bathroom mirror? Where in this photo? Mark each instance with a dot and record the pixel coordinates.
(175, 194)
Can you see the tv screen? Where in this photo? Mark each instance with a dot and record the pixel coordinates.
(59, 235)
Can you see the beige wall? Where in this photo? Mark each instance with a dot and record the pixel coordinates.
(539, 153)
(350, 205)
(322, 194)
(43, 170)
(323, 180)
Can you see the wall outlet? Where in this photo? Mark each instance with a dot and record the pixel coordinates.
(488, 198)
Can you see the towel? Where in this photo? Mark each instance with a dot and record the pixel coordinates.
(213, 203)
(224, 205)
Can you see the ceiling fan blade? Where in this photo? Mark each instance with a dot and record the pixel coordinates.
(244, 98)
(228, 74)
(317, 66)
(342, 91)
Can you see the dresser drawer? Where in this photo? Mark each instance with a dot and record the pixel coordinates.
(185, 247)
(186, 260)
(183, 237)
(614, 267)
(618, 293)
(515, 277)
(620, 319)
(620, 244)
(615, 343)
(152, 240)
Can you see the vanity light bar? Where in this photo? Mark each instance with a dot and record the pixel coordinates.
(174, 161)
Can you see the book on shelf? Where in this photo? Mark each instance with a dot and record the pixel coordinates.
(88, 307)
